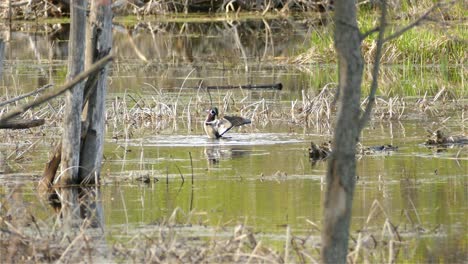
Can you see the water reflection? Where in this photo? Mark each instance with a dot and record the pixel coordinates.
(409, 196)
(213, 41)
(175, 42)
(78, 206)
(215, 153)
(58, 40)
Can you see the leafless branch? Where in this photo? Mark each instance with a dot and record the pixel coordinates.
(370, 32)
(39, 90)
(52, 94)
(380, 41)
(418, 21)
(375, 70)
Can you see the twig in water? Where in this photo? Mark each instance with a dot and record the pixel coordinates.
(191, 193)
(167, 176)
(191, 165)
(180, 173)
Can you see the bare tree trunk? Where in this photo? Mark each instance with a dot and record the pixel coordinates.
(98, 45)
(10, 12)
(74, 98)
(342, 164)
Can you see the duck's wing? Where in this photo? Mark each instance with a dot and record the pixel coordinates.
(229, 122)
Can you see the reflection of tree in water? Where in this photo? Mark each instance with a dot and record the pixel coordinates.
(59, 41)
(226, 41)
(409, 196)
(147, 7)
(61, 8)
(78, 204)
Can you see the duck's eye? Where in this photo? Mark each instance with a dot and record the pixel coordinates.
(213, 112)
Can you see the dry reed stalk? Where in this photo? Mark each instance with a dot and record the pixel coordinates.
(286, 244)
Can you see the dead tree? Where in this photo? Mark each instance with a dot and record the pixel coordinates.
(73, 98)
(89, 135)
(99, 43)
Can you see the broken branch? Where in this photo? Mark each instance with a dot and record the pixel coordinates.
(39, 90)
(52, 94)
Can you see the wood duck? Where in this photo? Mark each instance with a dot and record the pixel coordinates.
(216, 128)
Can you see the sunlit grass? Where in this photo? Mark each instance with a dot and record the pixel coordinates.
(422, 61)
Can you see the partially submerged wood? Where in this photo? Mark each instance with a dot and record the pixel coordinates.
(439, 138)
(324, 150)
(274, 86)
(321, 152)
(378, 149)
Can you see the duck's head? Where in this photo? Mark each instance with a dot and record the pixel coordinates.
(212, 113)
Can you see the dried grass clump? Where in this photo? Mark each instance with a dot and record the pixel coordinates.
(168, 246)
(391, 109)
(25, 238)
(76, 233)
(315, 110)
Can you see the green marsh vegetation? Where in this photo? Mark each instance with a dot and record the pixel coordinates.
(436, 48)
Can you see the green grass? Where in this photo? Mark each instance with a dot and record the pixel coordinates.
(430, 43)
(423, 60)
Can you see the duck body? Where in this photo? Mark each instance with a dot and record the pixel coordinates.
(217, 127)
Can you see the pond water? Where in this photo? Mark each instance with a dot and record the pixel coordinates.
(261, 174)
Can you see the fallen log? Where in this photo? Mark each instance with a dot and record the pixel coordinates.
(274, 86)
(21, 123)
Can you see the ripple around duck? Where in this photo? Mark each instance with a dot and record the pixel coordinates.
(232, 140)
